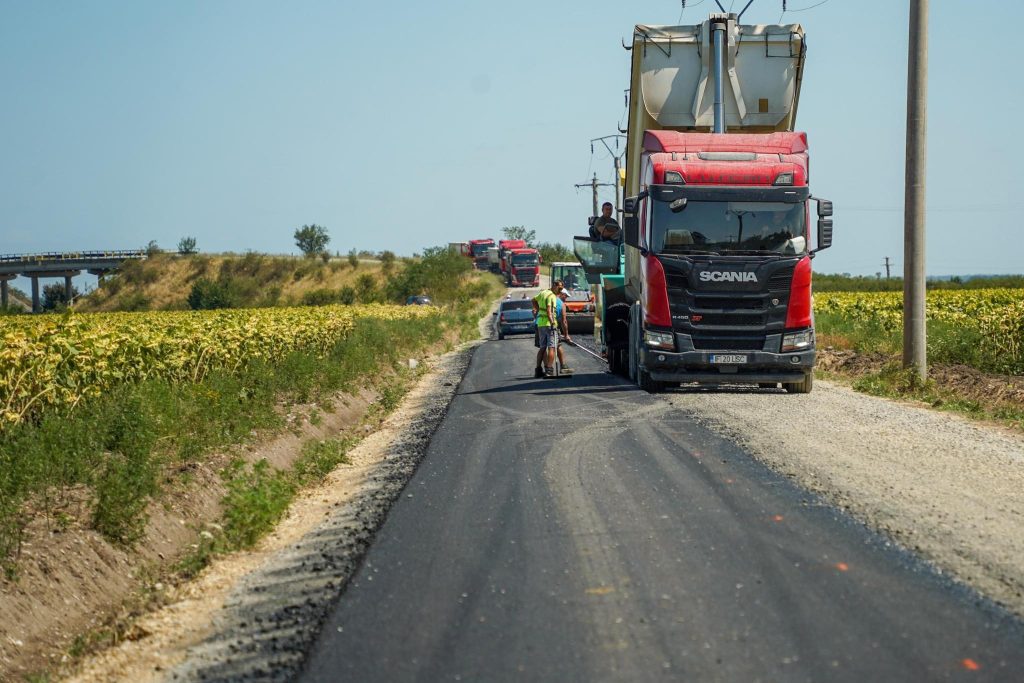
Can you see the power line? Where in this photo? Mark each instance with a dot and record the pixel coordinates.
(804, 9)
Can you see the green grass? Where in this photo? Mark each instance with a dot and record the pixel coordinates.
(950, 344)
(120, 447)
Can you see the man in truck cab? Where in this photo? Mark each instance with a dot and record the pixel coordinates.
(605, 227)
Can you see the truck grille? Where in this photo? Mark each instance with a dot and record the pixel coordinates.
(728, 318)
(728, 343)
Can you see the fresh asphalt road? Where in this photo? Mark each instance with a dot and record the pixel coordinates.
(581, 530)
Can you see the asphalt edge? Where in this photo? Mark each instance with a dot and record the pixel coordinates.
(274, 615)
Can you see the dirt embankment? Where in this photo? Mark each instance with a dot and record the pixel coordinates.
(71, 581)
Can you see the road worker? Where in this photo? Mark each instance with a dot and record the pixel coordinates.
(545, 312)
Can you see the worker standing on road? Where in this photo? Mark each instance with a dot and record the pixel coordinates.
(544, 310)
(563, 327)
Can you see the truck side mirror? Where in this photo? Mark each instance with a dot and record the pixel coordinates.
(824, 233)
(631, 231)
(824, 208)
(630, 204)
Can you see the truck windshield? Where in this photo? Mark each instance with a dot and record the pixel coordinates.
(524, 260)
(480, 249)
(729, 227)
(573, 277)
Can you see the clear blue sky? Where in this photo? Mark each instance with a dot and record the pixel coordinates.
(400, 125)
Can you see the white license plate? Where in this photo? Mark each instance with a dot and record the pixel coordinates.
(728, 359)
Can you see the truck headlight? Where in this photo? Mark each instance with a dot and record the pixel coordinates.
(797, 341)
(659, 340)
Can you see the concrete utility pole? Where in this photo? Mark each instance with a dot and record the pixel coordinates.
(617, 161)
(914, 333)
(594, 184)
(887, 265)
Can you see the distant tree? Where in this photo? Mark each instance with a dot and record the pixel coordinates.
(550, 253)
(387, 261)
(54, 297)
(152, 249)
(519, 232)
(325, 256)
(312, 239)
(353, 259)
(187, 245)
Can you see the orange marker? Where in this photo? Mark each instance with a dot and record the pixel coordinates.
(970, 664)
(777, 518)
(842, 566)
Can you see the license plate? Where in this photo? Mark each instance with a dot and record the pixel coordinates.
(728, 359)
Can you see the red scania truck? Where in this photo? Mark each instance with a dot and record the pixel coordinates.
(713, 282)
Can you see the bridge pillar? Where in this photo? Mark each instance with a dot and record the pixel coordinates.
(36, 306)
(67, 289)
(3, 293)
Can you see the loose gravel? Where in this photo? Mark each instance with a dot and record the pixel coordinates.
(950, 489)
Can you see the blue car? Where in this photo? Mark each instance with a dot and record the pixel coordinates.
(515, 316)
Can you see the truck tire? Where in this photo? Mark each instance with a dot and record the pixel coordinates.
(802, 387)
(642, 378)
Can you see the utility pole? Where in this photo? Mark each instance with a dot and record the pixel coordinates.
(594, 184)
(887, 265)
(617, 161)
(914, 332)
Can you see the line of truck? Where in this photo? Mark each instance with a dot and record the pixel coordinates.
(515, 260)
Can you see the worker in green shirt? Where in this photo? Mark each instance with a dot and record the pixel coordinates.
(544, 310)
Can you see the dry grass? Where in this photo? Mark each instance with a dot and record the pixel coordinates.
(164, 281)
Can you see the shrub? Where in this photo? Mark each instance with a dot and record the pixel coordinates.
(210, 294)
(319, 297)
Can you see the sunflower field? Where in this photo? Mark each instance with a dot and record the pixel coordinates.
(988, 323)
(57, 361)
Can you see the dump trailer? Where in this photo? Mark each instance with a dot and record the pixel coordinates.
(713, 281)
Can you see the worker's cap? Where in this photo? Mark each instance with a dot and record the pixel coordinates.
(563, 294)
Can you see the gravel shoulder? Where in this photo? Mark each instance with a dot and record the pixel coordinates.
(948, 488)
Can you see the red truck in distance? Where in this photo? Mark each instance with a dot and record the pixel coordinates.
(524, 268)
(504, 248)
(478, 252)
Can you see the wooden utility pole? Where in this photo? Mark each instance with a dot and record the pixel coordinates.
(914, 333)
(887, 264)
(594, 185)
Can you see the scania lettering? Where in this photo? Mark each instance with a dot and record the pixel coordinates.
(713, 281)
(726, 276)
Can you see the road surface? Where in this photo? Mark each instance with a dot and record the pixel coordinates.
(581, 530)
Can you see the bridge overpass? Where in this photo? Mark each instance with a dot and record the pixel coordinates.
(65, 265)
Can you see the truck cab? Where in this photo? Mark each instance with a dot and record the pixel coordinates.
(523, 268)
(505, 247)
(478, 252)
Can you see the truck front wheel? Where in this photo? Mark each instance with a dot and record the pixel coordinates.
(642, 378)
(802, 387)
